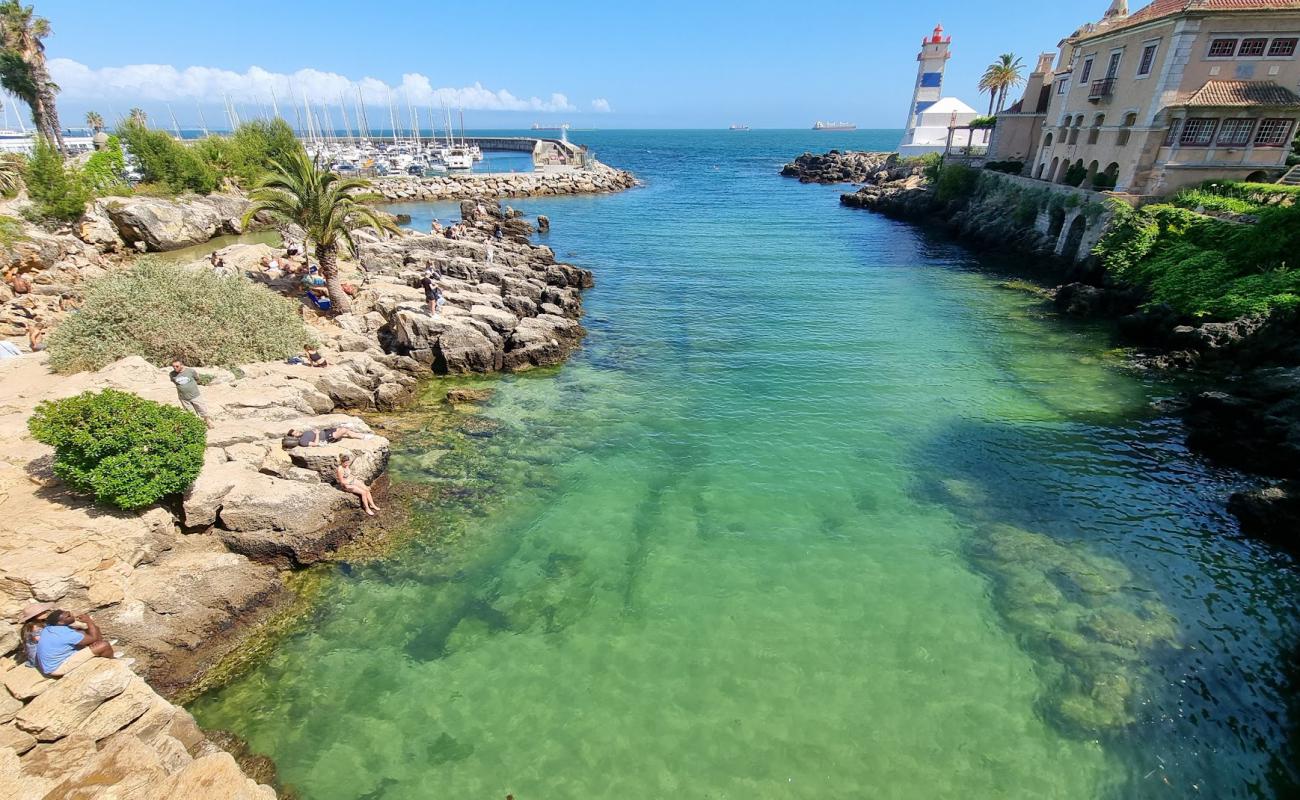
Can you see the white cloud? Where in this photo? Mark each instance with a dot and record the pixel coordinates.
(601, 105)
(163, 82)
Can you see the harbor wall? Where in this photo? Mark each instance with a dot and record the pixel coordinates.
(595, 179)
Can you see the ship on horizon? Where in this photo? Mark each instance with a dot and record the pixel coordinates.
(736, 126)
(563, 126)
(834, 126)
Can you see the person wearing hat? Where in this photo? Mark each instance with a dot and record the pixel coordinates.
(62, 648)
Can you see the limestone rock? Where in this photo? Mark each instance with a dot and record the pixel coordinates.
(125, 768)
(118, 712)
(212, 777)
(18, 740)
(261, 502)
(163, 224)
(25, 682)
(59, 710)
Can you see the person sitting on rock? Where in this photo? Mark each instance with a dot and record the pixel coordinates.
(314, 357)
(62, 648)
(435, 228)
(35, 337)
(351, 483)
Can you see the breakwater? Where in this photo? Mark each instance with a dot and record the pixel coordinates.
(594, 179)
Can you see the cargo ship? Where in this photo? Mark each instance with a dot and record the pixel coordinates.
(738, 127)
(834, 126)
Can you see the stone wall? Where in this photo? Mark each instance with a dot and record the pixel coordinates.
(595, 180)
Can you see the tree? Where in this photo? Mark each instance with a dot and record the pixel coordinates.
(137, 116)
(328, 209)
(94, 121)
(1000, 76)
(22, 66)
(58, 190)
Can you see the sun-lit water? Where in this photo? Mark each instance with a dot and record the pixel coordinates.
(820, 510)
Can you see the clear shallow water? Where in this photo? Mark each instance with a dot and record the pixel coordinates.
(820, 510)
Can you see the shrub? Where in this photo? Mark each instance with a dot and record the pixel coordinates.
(127, 451)
(58, 191)
(105, 170)
(1075, 174)
(162, 311)
(983, 122)
(1259, 193)
(166, 161)
(1009, 167)
(1102, 182)
(955, 181)
(247, 155)
(1199, 198)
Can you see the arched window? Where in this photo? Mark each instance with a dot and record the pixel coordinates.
(1121, 137)
(1047, 140)
(1095, 130)
(1038, 173)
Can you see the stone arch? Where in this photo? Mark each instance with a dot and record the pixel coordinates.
(1092, 171)
(1121, 137)
(1051, 173)
(1095, 130)
(1111, 174)
(1047, 140)
(1258, 176)
(1055, 222)
(1038, 172)
(1074, 236)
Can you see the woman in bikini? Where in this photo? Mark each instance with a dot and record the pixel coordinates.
(350, 483)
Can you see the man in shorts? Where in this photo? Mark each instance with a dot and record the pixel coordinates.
(62, 648)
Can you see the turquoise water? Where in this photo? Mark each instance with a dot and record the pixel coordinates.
(820, 510)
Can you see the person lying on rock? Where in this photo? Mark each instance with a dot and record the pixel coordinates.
(324, 436)
(351, 483)
(62, 648)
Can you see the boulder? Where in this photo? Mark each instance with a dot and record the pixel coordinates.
(462, 350)
(62, 708)
(125, 768)
(467, 395)
(212, 777)
(261, 502)
(117, 713)
(25, 683)
(162, 224)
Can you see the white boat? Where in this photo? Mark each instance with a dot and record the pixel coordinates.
(458, 158)
(738, 127)
(834, 126)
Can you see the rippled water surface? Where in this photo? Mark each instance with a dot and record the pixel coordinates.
(821, 510)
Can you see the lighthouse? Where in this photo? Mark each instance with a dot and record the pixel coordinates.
(931, 113)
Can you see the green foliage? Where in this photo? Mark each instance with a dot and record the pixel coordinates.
(162, 312)
(1203, 266)
(106, 168)
(127, 451)
(58, 192)
(1102, 182)
(166, 161)
(1261, 194)
(956, 181)
(11, 233)
(251, 153)
(987, 121)
(1075, 174)
(1009, 167)
(1199, 198)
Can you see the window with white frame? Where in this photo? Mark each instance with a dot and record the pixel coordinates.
(1172, 135)
(1087, 69)
(1283, 46)
(1235, 132)
(1222, 48)
(1198, 132)
(1148, 59)
(1273, 133)
(1112, 69)
(1252, 48)
(1061, 84)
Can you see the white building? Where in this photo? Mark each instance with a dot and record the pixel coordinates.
(931, 114)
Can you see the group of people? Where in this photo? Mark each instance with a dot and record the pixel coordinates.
(55, 641)
(299, 437)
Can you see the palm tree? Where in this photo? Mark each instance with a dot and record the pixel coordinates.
(327, 208)
(94, 121)
(138, 116)
(11, 173)
(22, 66)
(1000, 76)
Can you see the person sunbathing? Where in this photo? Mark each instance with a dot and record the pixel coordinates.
(351, 483)
(298, 437)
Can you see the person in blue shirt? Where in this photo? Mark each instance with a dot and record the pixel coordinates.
(62, 648)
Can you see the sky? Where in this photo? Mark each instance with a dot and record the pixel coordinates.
(590, 63)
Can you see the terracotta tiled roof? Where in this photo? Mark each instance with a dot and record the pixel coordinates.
(1220, 94)
(1164, 8)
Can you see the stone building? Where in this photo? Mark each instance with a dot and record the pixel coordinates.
(1020, 127)
(1179, 92)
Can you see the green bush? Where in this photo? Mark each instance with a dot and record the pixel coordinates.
(955, 181)
(1262, 194)
(162, 312)
(127, 451)
(1009, 167)
(59, 192)
(1075, 175)
(247, 155)
(983, 122)
(1198, 198)
(164, 160)
(105, 170)
(1102, 182)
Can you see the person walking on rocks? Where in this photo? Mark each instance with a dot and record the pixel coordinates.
(187, 390)
(432, 292)
(62, 648)
(491, 252)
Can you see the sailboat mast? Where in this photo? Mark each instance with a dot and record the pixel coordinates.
(175, 125)
(203, 122)
(363, 121)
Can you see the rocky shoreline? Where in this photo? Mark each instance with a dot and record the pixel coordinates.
(179, 585)
(1244, 411)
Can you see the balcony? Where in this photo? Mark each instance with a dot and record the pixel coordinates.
(1098, 90)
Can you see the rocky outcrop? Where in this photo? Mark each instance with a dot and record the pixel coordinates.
(101, 731)
(598, 179)
(157, 223)
(838, 166)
